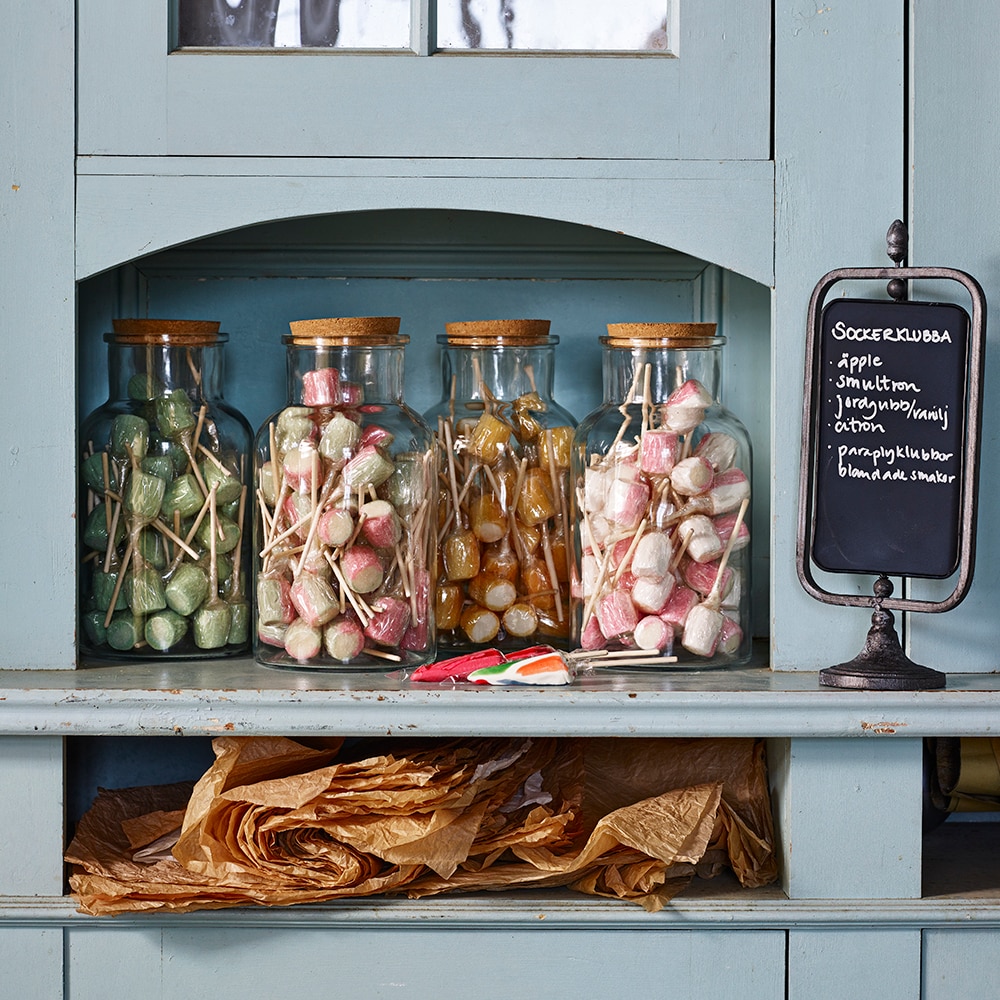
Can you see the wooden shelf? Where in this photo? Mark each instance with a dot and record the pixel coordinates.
(239, 696)
(716, 903)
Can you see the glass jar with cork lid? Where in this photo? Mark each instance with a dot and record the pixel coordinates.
(164, 476)
(345, 484)
(503, 526)
(661, 491)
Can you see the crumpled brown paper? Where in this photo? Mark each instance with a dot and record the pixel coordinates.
(274, 822)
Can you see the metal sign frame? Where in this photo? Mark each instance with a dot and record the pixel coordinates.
(897, 277)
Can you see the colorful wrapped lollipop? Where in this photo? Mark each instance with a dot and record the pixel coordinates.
(551, 668)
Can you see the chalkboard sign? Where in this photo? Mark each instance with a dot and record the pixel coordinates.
(891, 396)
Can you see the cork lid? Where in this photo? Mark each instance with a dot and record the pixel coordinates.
(659, 334)
(346, 330)
(171, 332)
(496, 332)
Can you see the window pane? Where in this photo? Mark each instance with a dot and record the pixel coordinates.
(557, 25)
(342, 24)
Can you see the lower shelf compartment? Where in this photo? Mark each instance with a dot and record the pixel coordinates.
(961, 860)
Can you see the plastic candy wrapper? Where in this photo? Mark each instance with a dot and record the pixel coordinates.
(461, 668)
(274, 822)
(545, 668)
(536, 665)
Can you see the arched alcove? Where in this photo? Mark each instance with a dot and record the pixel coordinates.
(429, 267)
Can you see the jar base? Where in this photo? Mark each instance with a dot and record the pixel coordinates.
(363, 664)
(90, 657)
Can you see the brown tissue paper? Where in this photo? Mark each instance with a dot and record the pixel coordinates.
(275, 822)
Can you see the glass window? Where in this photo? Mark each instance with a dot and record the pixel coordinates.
(343, 24)
(555, 25)
(462, 25)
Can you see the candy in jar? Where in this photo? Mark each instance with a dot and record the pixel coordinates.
(345, 485)
(503, 523)
(661, 478)
(164, 475)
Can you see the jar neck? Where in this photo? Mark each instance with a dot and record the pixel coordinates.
(625, 371)
(197, 369)
(500, 371)
(376, 368)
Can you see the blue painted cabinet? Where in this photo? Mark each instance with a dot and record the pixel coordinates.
(777, 143)
(707, 99)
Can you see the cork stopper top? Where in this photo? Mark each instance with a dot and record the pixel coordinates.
(166, 332)
(497, 332)
(346, 330)
(660, 334)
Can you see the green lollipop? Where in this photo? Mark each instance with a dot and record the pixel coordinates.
(182, 495)
(239, 625)
(95, 531)
(187, 588)
(159, 465)
(174, 415)
(213, 619)
(93, 627)
(228, 487)
(143, 494)
(129, 436)
(147, 593)
(165, 629)
(92, 472)
(122, 633)
(104, 586)
(224, 538)
(144, 386)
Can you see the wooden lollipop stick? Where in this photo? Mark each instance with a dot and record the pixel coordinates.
(713, 596)
(612, 654)
(679, 554)
(118, 584)
(550, 565)
(195, 438)
(449, 447)
(112, 530)
(640, 661)
(318, 506)
(176, 539)
(210, 455)
(382, 654)
(213, 568)
(598, 585)
(237, 590)
(363, 611)
(647, 402)
(623, 410)
(627, 560)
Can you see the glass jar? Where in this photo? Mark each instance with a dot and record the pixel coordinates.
(503, 526)
(661, 473)
(163, 477)
(346, 492)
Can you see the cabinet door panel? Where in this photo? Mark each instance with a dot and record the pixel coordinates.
(138, 98)
(959, 963)
(445, 963)
(32, 962)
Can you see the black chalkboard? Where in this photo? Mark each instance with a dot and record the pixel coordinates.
(890, 395)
